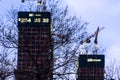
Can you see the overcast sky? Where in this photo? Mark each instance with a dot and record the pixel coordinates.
(98, 13)
(101, 13)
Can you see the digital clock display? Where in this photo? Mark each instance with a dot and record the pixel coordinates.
(33, 18)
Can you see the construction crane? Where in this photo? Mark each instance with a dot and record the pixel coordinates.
(39, 3)
(87, 40)
(95, 35)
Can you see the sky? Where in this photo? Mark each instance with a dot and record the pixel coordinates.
(97, 13)
(101, 13)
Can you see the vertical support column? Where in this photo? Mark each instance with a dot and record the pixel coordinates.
(44, 6)
(38, 5)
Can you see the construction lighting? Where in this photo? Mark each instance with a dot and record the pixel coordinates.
(87, 44)
(38, 3)
(96, 46)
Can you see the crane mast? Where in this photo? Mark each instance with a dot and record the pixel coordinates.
(43, 3)
(39, 3)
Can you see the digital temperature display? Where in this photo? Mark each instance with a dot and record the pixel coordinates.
(28, 19)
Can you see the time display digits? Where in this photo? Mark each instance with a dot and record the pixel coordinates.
(34, 20)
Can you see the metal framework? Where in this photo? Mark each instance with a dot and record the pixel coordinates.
(95, 35)
(39, 3)
(87, 40)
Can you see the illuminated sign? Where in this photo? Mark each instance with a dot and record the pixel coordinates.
(91, 61)
(28, 19)
(36, 20)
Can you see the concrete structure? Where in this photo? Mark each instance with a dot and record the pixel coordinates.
(91, 67)
(35, 56)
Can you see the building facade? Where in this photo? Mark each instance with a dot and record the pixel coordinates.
(91, 67)
(35, 53)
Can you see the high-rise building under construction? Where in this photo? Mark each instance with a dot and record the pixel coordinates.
(35, 56)
(91, 67)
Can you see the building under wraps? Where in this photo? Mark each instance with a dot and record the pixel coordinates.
(91, 67)
(35, 54)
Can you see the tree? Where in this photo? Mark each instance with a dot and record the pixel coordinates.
(7, 64)
(67, 32)
(112, 70)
